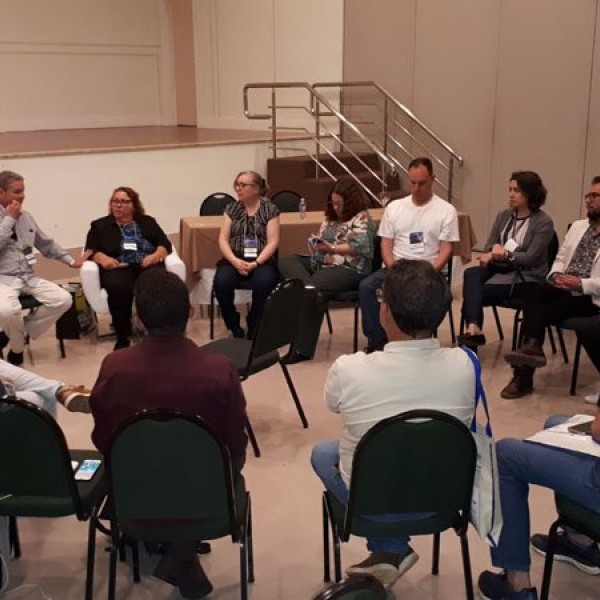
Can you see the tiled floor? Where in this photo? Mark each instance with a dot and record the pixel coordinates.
(285, 493)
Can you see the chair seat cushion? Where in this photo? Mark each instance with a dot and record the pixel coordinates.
(350, 296)
(588, 520)
(364, 527)
(238, 351)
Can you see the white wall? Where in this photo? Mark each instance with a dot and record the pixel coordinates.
(84, 63)
(262, 41)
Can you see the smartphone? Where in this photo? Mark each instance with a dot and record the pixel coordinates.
(87, 469)
(582, 428)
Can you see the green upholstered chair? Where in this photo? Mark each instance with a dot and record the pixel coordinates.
(170, 469)
(36, 477)
(421, 461)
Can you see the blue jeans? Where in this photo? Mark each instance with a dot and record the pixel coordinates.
(369, 306)
(325, 459)
(520, 463)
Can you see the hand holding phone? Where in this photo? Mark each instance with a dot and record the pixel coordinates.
(87, 469)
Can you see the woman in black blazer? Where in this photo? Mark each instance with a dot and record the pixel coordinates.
(125, 243)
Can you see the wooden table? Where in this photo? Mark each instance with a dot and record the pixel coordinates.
(198, 237)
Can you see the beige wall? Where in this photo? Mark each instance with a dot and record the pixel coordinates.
(262, 41)
(509, 84)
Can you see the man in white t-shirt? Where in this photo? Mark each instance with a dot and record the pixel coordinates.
(420, 226)
(412, 372)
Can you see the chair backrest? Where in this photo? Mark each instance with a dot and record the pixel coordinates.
(170, 479)
(286, 200)
(377, 259)
(215, 204)
(418, 461)
(553, 247)
(361, 587)
(280, 318)
(36, 464)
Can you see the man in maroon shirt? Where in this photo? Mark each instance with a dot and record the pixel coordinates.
(168, 370)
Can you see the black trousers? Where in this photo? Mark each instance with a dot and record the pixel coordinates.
(119, 285)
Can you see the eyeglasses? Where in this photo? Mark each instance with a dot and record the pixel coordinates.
(380, 296)
(241, 184)
(592, 195)
(119, 202)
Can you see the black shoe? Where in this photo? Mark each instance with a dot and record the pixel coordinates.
(238, 333)
(122, 343)
(294, 357)
(157, 548)
(188, 575)
(494, 586)
(15, 358)
(584, 558)
(471, 341)
(3, 342)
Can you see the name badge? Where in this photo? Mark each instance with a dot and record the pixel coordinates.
(130, 246)
(511, 245)
(29, 255)
(416, 240)
(250, 248)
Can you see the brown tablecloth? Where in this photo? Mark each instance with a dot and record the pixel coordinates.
(198, 237)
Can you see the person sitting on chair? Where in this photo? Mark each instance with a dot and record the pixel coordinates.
(571, 474)
(339, 261)
(248, 241)
(516, 251)
(412, 372)
(19, 235)
(572, 290)
(167, 370)
(419, 226)
(124, 244)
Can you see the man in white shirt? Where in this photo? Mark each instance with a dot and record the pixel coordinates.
(421, 226)
(412, 372)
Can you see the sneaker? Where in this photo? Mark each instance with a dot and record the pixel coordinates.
(386, 573)
(593, 399)
(585, 558)
(529, 355)
(75, 398)
(494, 586)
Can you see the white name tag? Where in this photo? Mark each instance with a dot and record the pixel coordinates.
(416, 240)
(511, 245)
(130, 246)
(250, 248)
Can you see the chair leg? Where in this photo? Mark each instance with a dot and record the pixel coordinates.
(451, 321)
(561, 342)
(13, 536)
(464, 546)
(326, 562)
(243, 567)
(212, 314)
(250, 543)
(435, 565)
(112, 566)
(356, 311)
(497, 319)
(337, 558)
(135, 555)
(252, 438)
(575, 372)
(328, 318)
(91, 557)
(61, 344)
(294, 394)
(548, 563)
(516, 337)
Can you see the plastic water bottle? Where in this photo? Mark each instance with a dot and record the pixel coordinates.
(302, 208)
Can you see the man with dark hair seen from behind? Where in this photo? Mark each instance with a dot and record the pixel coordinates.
(19, 235)
(572, 290)
(167, 370)
(412, 372)
(420, 226)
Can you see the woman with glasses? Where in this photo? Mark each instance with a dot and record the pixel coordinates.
(248, 241)
(125, 243)
(516, 252)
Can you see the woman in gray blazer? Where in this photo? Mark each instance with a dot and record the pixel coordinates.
(519, 240)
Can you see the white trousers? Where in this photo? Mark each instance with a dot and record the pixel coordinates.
(55, 301)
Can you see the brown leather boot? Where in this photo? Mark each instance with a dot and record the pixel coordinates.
(530, 355)
(520, 385)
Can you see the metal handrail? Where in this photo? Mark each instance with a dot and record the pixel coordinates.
(398, 105)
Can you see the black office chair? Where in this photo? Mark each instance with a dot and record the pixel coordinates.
(171, 480)
(277, 327)
(286, 201)
(421, 461)
(215, 204)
